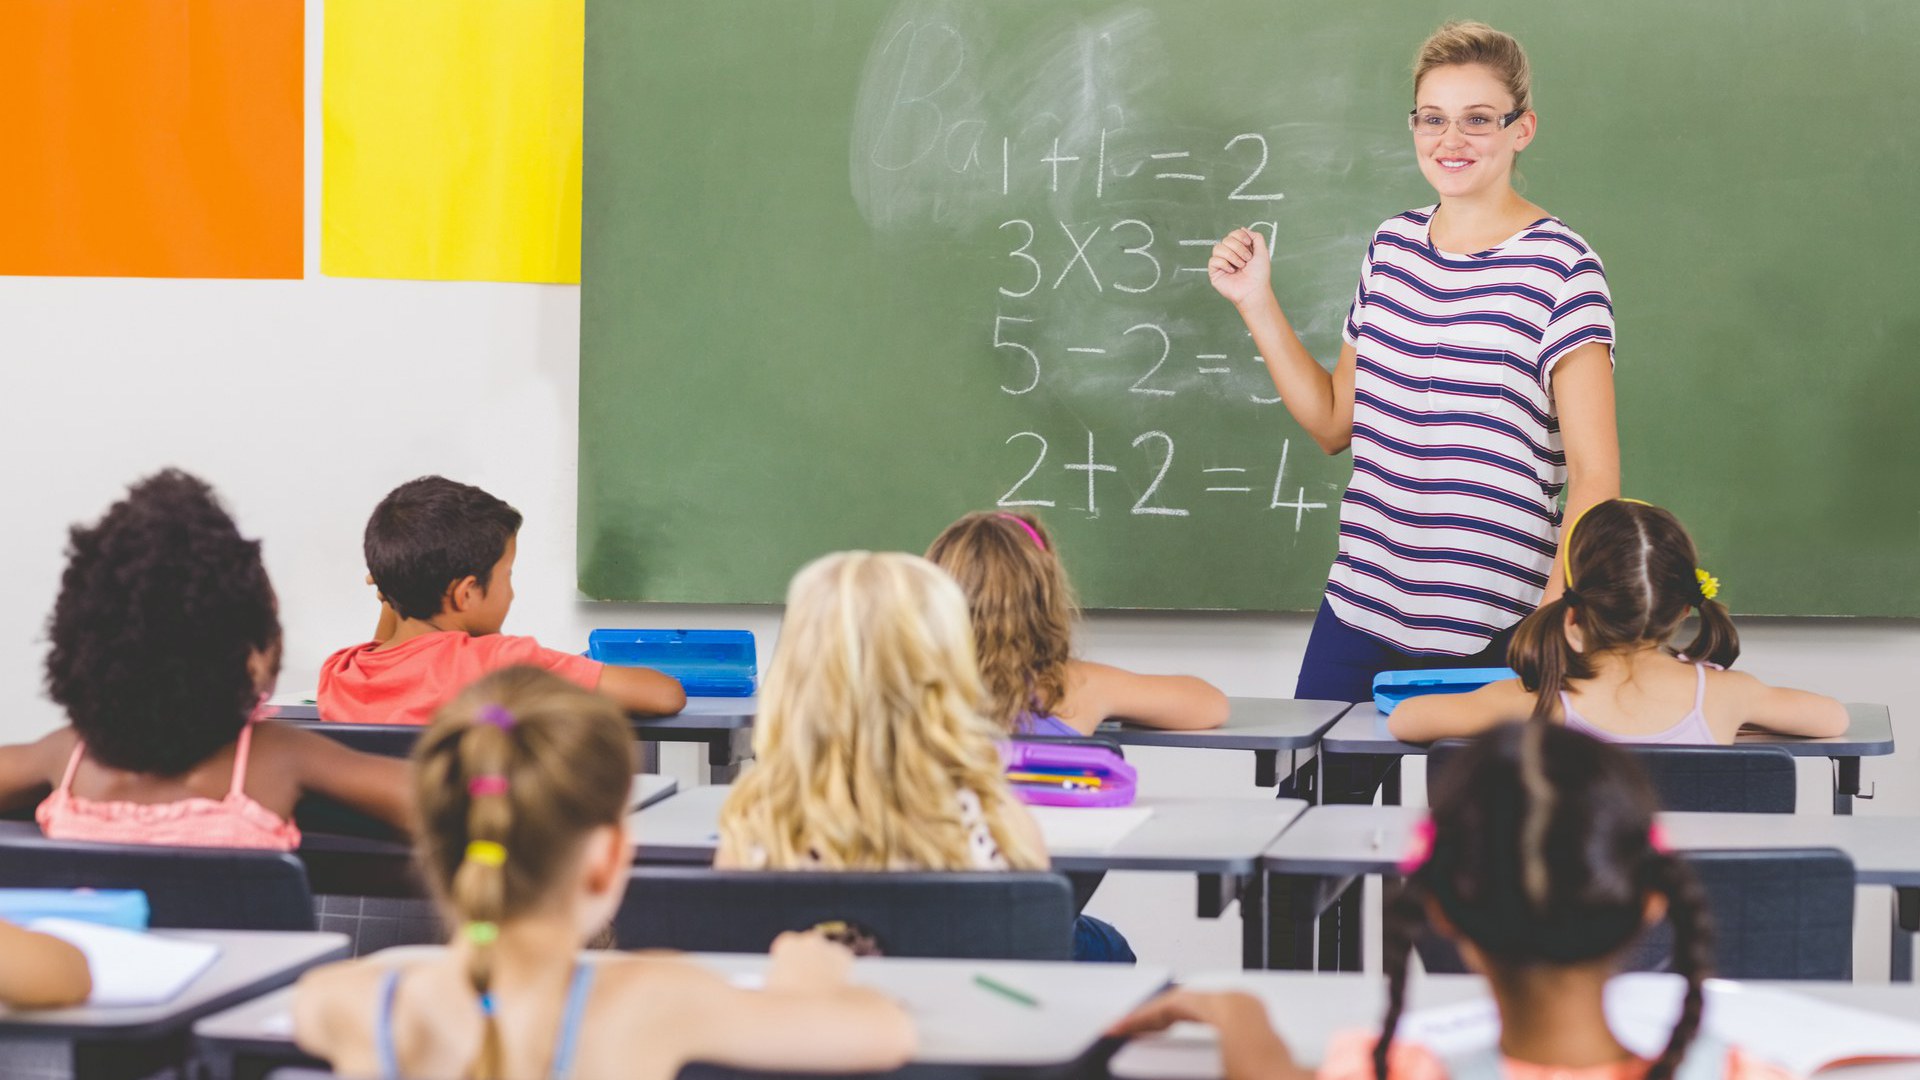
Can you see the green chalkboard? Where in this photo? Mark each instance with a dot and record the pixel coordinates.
(855, 267)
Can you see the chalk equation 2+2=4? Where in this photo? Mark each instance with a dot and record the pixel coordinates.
(1157, 456)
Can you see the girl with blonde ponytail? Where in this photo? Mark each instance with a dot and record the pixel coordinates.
(521, 786)
(1601, 657)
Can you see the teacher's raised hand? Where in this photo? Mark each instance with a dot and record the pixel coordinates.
(1241, 268)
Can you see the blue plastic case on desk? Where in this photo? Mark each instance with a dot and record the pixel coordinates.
(1390, 688)
(708, 663)
(124, 909)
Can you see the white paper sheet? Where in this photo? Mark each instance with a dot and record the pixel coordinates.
(1798, 1033)
(130, 968)
(1073, 828)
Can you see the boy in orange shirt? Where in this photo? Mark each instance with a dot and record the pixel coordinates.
(441, 554)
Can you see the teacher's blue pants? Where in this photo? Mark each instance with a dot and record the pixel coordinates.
(1341, 662)
(1339, 666)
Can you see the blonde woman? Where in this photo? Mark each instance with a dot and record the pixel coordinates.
(873, 750)
(1023, 613)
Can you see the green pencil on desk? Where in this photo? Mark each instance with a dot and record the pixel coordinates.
(1006, 991)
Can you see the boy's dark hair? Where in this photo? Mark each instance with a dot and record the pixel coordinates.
(431, 532)
(1543, 855)
(1634, 579)
(160, 607)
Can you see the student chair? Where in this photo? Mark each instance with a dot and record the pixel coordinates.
(187, 888)
(1729, 779)
(1785, 914)
(983, 916)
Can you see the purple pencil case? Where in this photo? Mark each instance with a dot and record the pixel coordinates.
(1086, 775)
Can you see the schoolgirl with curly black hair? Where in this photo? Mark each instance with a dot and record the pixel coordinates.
(165, 641)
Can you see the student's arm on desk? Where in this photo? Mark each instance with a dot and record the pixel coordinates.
(807, 1018)
(1098, 692)
(40, 972)
(1249, 1047)
(642, 690)
(1778, 709)
(378, 786)
(1432, 717)
(28, 771)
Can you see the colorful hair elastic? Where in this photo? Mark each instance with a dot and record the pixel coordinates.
(482, 933)
(1709, 585)
(1031, 531)
(487, 853)
(487, 784)
(486, 1004)
(1419, 848)
(497, 715)
(1657, 839)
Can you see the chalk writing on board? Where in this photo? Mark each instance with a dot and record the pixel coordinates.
(1050, 149)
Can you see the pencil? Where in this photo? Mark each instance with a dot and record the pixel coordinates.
(1006, 991)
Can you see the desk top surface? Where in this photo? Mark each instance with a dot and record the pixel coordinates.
(1224, 836)
(1869, 734)
(251, 962)
(1253, 724)
(1330, 841)
(960, 1023)
(1307, 1008)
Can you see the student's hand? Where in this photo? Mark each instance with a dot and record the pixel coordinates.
(807, 962)
(1175, 1006)
(1241, 269)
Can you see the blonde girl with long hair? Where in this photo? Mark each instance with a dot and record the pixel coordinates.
(872, 747)
(521, 786)
(1023, 614)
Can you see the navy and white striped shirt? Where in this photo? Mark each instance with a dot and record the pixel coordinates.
(1448, 528)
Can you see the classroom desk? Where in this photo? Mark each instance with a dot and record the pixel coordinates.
(135, 1041)
(1266, 726)
(1363, 731)
(1220, 841)
(960, 1024)
(1308, 1009)
(1332, 844)
(724, 724)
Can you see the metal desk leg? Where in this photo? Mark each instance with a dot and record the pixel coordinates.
(1846, 783)
(1292, 906)
(725, 754)
(1906, 925)
(649, 756)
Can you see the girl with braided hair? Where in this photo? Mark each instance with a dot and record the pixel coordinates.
(521, 785)
(1542, 862)
(1600, 658)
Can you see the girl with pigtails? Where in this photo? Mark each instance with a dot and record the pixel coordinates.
(1600, 657)
(521, 789)
(1542, 862)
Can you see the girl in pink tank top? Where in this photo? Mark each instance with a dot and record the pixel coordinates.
(1601, 658)
(165, 638)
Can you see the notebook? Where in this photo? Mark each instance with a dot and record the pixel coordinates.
(1799, 1033)
(130, 968)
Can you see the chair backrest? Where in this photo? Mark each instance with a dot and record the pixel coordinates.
(187, 888)
(1727, 779)
(1785, 914)
(986, 916)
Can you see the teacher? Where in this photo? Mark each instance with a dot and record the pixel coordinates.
(1474, 388)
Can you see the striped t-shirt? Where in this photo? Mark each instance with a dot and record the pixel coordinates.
(1448, 528)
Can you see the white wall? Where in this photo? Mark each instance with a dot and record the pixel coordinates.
(304, 401)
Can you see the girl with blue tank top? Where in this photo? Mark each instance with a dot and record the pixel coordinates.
(1601, 658)
(1023, 612)
(1541, 861)
(521, 788)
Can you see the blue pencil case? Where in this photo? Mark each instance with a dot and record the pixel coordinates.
(1390, 688)
(709, 663)
(124, 909)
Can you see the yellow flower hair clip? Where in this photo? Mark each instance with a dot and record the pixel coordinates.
(1709, 585)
